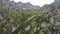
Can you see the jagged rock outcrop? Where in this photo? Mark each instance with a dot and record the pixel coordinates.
(19, 5)
(26, 6)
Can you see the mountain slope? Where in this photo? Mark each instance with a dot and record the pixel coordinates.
(26, 6)
(18, 5)
(56, 3)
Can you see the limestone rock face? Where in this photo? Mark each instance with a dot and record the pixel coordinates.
(54, 11)
(56, 3)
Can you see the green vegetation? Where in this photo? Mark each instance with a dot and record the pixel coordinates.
(27, 22)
